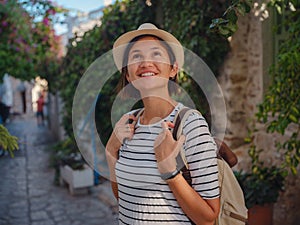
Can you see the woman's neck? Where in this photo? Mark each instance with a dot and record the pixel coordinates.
(156, 108)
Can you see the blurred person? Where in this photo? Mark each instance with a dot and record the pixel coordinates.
(6, 97)
(40, 109)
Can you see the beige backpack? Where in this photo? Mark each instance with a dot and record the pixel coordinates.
(233, 210)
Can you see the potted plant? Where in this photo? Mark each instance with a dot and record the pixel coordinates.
(7, 141)
(71, 168)
(261, 187)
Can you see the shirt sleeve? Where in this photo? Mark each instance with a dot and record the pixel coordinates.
(200, 150)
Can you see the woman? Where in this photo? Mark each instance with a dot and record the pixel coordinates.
(142, 155)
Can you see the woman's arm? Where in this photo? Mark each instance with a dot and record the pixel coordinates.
(121, 131)
(111, 151)
(201, 211)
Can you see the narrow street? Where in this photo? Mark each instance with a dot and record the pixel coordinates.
(28, 195)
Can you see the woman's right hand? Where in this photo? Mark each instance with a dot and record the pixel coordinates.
(123, 130)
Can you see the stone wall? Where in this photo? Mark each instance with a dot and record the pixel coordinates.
(242, 80)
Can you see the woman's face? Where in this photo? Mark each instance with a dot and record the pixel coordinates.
(149, 66)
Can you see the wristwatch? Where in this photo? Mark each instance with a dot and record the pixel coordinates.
(167, 176)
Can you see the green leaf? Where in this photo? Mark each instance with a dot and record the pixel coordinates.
(232, 17)
(293, 118)
(295, 110)
(241, 9)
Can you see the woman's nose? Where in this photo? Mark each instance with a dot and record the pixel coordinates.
(146, 61)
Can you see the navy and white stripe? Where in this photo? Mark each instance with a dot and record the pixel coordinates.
(144, 198)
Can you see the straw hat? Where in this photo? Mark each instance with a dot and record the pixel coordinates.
(146, 28)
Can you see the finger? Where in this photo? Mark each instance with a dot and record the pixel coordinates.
(165, 127)
(159, 139)
(132, 127)
(131, 119)
(123, 119)
(130, 131)
(126, 129)
(179, 144)
(170, 124)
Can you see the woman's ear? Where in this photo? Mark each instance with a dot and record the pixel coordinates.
(174, 70)
(127, 77)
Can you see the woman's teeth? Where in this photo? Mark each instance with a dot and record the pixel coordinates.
(147, 74)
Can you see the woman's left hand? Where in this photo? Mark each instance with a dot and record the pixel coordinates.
(166, 149)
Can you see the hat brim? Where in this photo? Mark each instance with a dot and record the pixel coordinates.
(121, 43)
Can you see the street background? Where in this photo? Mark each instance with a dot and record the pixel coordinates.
(28, 195)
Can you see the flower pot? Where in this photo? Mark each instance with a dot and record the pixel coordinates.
(261, 215)
(77, 180)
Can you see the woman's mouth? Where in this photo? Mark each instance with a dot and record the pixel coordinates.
(148, 74)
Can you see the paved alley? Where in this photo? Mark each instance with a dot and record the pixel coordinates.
(28, 195)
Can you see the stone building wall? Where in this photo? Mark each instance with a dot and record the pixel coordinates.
(242, 80)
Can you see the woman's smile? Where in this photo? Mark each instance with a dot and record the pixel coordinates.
(147, 74)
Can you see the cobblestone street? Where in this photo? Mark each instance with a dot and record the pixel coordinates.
(28, 195)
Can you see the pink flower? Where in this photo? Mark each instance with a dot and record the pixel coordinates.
(51, 11)
(4, 23)
(46, 21)
(45, 39)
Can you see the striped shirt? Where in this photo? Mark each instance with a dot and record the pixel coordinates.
(144, 198)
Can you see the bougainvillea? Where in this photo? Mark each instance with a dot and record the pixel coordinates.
(28, 44)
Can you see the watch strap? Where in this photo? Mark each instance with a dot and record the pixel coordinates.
(167, 176)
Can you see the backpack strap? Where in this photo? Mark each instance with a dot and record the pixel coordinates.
(137, 114)
(224, 152)
(179, 120)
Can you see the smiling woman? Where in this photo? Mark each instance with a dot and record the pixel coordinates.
(141, 155)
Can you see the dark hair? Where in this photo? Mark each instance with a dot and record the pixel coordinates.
(130, 90)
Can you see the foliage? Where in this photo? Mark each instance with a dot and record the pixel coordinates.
(280, 109)
(128, 15)
(191, 26)
(65, 153)
(227, 24)
(7, 141)
(262, 184)
(29, 46)
(15, 51)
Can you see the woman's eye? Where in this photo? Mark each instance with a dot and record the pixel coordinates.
(157, 53)
(136, 57)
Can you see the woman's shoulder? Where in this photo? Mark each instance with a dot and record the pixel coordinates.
(194, 118)
(192, 112)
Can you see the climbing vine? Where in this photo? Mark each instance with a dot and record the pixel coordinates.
(280, 109)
